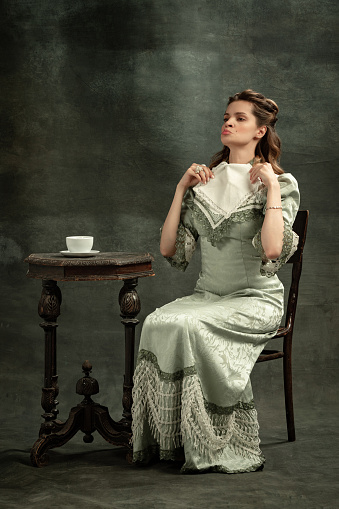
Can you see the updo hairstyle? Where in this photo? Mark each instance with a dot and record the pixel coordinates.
(268, 148)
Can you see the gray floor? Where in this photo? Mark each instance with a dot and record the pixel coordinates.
(302, 474)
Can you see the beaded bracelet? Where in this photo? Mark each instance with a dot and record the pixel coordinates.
(267, 208)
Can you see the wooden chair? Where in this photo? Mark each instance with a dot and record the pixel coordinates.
(286, 332)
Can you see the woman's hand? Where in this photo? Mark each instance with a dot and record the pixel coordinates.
(170, 228)
(191, 178)
(263, 172)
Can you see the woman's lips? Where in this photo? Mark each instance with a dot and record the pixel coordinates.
(226, 131)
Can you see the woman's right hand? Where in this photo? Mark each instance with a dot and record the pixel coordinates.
(170, 228)
(191, 179)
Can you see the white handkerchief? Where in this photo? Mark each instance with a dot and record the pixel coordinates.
(230, 190)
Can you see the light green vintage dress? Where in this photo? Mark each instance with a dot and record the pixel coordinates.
(192, 384)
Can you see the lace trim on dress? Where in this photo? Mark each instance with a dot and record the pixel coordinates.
(216, 215)
(250, 209)
(185, 246)
(176, 411)
(228, 192)
(169, 377)
(217, 234)
(290, 245)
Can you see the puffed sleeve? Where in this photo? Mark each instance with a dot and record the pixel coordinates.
(187, 235)
(290, 200)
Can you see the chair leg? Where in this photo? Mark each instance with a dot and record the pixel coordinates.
(288, 390)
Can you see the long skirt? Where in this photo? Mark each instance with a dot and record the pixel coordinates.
(192, 388)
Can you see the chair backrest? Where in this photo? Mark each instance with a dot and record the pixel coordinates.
(300, 227)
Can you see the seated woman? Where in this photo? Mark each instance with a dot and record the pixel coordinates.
(192, 389)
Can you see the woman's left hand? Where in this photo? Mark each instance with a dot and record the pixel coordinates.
(264, 172)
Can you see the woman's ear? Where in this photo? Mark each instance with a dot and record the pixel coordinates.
(261, 132)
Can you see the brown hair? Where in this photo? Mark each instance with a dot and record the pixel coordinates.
(268, 148)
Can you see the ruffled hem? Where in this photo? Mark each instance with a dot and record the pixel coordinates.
(221, 469)
(152, 452)
(173, 408)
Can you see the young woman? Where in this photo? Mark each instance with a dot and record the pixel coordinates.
(192, 390)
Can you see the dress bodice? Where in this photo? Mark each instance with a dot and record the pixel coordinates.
(230, 230)
(233, 264)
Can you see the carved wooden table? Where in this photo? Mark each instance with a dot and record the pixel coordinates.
(87, 416)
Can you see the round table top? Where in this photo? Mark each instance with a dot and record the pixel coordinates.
(114, 258)
(113, 265)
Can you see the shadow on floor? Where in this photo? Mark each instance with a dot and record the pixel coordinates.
(298, 475)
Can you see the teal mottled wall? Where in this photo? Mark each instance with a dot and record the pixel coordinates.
(104, 104)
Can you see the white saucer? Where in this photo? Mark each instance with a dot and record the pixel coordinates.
(79, 255)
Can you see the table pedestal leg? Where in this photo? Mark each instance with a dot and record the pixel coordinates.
(49, 310)
(129, 306)
(88, 416)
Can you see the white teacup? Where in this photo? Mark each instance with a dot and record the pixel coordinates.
(79, 244)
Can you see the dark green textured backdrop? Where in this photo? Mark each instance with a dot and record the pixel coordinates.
(104, 104)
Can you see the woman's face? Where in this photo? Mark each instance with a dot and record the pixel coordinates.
(240, 125)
